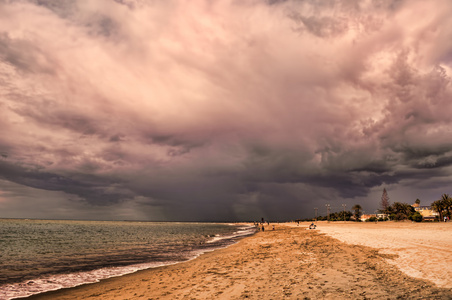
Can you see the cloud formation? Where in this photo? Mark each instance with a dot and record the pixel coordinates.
(222, 110)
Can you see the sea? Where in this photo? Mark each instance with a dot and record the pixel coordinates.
(43, 255)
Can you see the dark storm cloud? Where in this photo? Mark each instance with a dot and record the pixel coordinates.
(201, 110)
(94, 189)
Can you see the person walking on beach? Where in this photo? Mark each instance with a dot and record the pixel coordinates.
(263, 228)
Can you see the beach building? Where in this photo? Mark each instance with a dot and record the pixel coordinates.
(428, 214)
(382, 216)
(365, 217)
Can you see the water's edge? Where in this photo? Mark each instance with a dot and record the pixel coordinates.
(51, 284)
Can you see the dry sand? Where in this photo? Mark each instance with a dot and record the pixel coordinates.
(288, 263)
(424, 250)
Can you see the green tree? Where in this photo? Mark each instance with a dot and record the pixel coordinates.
(400, 211)
(357, 211)
(447, 202)
(416, 217)
(340, 216)
(384, 204)
(438, 206)
(443, 206)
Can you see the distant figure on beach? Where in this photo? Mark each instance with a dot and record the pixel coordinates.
(312, 226)
(263, 228)
(273, 227)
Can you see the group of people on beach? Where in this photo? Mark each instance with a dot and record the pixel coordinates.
(260, 225)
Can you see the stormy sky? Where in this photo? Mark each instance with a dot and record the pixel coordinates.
(222, 110)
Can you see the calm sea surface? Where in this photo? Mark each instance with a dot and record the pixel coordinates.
(43, 255)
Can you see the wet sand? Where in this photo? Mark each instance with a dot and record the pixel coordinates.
(288, 263)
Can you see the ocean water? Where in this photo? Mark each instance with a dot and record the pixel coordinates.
(43, 255)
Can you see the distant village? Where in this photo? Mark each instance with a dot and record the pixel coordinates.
(439, 211)
(427, 213)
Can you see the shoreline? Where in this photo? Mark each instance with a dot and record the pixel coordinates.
(290, 262)
(52, 293)
(55, 282)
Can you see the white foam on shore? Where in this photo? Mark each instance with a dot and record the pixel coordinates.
(60, 281)
(242, 231)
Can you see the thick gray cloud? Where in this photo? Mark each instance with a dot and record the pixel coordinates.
(226, 110)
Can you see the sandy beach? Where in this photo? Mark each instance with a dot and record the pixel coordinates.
(295, 263)
(423, 250)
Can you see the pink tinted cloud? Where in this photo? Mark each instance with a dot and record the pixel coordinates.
(325, 94)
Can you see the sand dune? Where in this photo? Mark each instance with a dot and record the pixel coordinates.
(288, 263)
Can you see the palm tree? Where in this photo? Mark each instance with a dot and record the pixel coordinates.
(402, 210)
(357, 209)
(418, 202)
(447, 203)
(438, 205)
